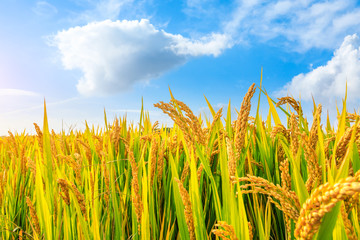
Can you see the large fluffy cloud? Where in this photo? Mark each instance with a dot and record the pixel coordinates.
(113, 55)
(327, 82)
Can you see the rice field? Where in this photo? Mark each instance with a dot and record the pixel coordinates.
(215, 178)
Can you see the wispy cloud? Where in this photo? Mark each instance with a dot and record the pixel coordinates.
(153, 112)
(297, 25)
(102, 10)
(196, 3)
(44, 9)
(125, 110)
(327, 83)
(200, 8)
(114, 55)
(17, 92)
(40, 106)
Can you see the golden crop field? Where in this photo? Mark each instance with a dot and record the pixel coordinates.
(201, 179)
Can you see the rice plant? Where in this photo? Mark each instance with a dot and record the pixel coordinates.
(200, 179)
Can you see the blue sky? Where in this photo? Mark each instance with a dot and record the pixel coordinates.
(86, 55)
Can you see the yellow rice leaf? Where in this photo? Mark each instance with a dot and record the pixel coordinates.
(273, 110)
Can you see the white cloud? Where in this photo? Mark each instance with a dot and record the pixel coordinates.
(113, 55)
(16, 92)
(298, 25)
(327, 83)
(213, 44)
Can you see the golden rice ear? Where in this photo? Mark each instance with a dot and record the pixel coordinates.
(80, 199)
(136, 198)
(64, 186)
(39, 135)
(290, 100)
(231, 159)
(193, 121)
(153, 158)
(313, 167)
(349, 228)
(322, 201)
(160, 165)
(242, 120)
(294, 134)
(288, 201)
(33, 216)
(313, 135)
(285, 175)
(188, 211)
(226, 231)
